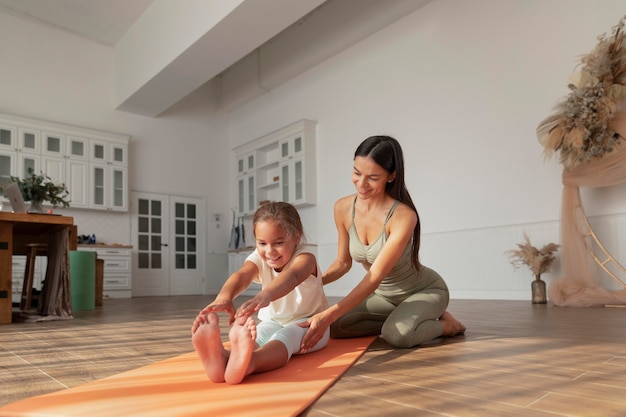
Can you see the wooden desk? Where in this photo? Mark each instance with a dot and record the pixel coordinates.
(18, 229)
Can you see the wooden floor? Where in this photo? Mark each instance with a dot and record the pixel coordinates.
(516, 359)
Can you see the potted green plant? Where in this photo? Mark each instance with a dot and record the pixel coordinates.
(38, 188)
(538, 261)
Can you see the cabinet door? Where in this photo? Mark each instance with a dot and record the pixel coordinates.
(77, 182)
(246, 164)
(292, 179)
(246, 195)
(29, 140)
(8, 165)
(53, 145)
(118, 154)
(8, 138)
(99, 152)
(241, 195)
(77, 171)
(250, 163)
(54, 168)
(26, 161)
(77, 148)
(291, 147)
(108, 186)
(117, 188)
(98, 179)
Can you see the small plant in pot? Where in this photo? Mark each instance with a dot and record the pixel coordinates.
(538, 261)
(39, 188)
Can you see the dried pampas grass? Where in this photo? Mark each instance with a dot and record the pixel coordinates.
(537, 260)
(579, 129)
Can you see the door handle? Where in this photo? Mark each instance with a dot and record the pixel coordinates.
(164, 244)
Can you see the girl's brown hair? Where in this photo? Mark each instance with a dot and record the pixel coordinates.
(284, 215)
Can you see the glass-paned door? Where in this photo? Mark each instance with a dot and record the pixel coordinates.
(168, 231)
(151, 269)
(186, 272)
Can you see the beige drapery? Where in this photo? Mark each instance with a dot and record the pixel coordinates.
(579, 287)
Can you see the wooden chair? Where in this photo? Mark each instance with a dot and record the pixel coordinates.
(33, 250)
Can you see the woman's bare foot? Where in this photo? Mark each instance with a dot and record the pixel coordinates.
(451, 326)
(207, 342)
(242, 336)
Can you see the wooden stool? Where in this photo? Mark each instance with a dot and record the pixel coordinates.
(33, 250)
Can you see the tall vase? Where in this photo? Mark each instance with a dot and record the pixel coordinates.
(539, 290)
(36, 206)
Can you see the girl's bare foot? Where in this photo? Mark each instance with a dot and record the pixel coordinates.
(242, 336)
(451, 326)
(207, 342)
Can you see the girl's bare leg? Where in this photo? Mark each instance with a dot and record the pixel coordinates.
(242, 337)
(451, 326)
(207, 342)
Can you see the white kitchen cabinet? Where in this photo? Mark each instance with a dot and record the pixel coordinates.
(246, 163)
(92, 164)
(246, 183)
(109, 153)
(19, 150)
(297, 179)
(108, 174)
(246, 194)
(53, 156)
(108, 187)
(283, 168)
(28, 151)
(117, 281)
(65, 159)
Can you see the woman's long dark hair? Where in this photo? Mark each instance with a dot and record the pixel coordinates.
(387, 152)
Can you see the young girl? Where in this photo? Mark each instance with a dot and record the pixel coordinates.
(291, 292)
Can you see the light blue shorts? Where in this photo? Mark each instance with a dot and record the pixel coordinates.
(290, 335)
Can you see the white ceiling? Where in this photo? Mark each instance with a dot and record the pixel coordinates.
(104, 21)
(338, 25)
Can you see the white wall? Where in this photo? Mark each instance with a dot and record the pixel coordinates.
(462, 85)
(53, 75)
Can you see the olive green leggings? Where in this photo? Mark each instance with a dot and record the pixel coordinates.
(410, 323)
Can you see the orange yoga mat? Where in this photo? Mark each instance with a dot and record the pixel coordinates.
(178, 387)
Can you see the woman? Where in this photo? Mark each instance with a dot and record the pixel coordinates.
(379, 227)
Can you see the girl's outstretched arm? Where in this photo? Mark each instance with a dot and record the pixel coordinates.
(237, 283)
